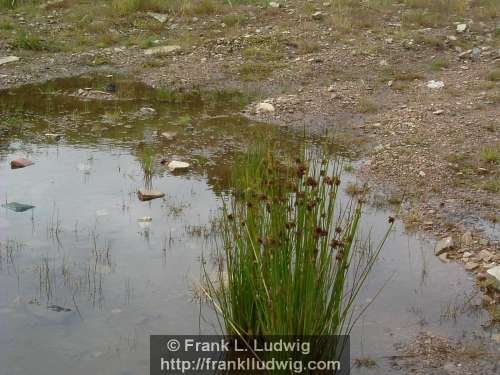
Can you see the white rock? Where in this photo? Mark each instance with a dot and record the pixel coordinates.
(494, 277)
(158, 16)
(435, 84)
(317, 15)
(264, 107)
(443, 245)
(169, 136)
(438, 112)
(461, 27)
(162, 50)
(274, 4)
(8, 59)
(178, 166)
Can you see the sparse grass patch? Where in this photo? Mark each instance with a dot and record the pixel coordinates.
(493, 185)
(494, 75)
(234, 19)
(490, 155)
(256, 71)
(367, 105)
(30, 42)
(6, 26)
(439, 63)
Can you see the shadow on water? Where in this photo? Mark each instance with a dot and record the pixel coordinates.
(91, 271)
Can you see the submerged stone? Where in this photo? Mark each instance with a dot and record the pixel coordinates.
(20, 163)
(147, 195)
(178, 166)
(18, 207)
(444, 245)
(58, 308)
(53, 136)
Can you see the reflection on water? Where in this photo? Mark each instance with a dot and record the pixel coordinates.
(91, 271)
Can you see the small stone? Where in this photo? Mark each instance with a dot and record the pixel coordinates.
(421, 174)
(178, 166)
(147, 111)
(18, 207)
(494, 277)
(390, 83)
(331, 88)
(467, 254)
(317, 16)
(485, 255)
(476, 53)
(451, 369)
(438, 112)
(471, 266)
(264, 107)
(162, 50)
(435, 85)
(8, 59)
(169, 136)
(53, 136)
(274, 4)
(461, 27)
(444, 245)
(147, 195)
(20, 163)
(443, 258)
(162, 18)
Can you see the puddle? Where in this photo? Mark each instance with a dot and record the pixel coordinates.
(114, 270)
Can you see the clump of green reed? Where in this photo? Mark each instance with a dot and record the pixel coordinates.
(146, 159)
(290, 260)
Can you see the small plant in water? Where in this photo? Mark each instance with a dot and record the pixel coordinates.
(290, 260)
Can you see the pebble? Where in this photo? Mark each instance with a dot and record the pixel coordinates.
(20, 163)
(162, 50)
(443, 245)
(147, 195)
(264, 107)
(461, 27)
(471, 266)
(178, 166)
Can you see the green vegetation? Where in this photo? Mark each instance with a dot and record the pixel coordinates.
(494, 75)
(286, 250)
(491, 155)
(439, 63)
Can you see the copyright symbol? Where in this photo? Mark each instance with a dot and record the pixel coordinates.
(173, 345)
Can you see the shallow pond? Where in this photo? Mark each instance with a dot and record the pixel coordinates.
(85, 279)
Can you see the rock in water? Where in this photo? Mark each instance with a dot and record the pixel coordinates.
(178, 166)
(147, 195)
(20, 163)
(162, 50)
(8, 59)
(493, 275)
(18, 207)
(444, 245)
(53, 136)
(264, 107)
